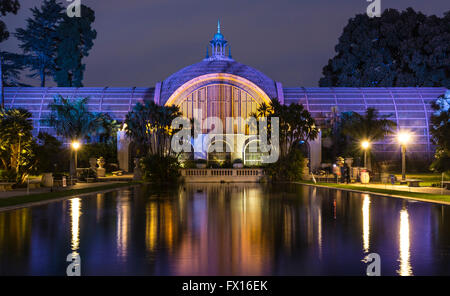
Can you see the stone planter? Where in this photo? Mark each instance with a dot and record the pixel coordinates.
(201, 165)
(47, 180)
(238, 165)
(101, 172)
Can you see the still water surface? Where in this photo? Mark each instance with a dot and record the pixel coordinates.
(227, 229)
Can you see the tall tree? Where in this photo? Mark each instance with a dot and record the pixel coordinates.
(397, 49)
(440, 132)
(38, 40)
(7, 6)
(149, 125)
(356, 128)
(72, 120)
(75, 38)
(296, 124)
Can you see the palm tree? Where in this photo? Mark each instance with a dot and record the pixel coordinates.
(149, 125)
(72, 120)
(370, 127)
(295, 124)
(16, 142)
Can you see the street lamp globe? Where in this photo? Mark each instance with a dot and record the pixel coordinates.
(365, 144)
(76, 145)
(403, 138)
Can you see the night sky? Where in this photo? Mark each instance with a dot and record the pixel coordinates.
(141, 42)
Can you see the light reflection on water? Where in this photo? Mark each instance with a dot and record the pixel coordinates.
(366, 222)
(227, 229)
(405, 244)
(75, 213)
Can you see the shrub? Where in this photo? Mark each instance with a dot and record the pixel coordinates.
(49, 153)
(188, 164)
(87, 173)
(8, 175)
(160, 169)
(287, 168)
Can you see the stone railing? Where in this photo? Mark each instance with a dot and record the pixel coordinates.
(222, 175)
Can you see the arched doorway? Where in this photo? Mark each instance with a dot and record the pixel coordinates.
(251, 157)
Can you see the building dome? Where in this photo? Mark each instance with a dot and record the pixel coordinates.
(207, 66)
(217, 63)
(173, 82)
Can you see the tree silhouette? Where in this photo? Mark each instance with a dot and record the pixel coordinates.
(75, 38)
(7, 6)
(397, 49)
(38, 40)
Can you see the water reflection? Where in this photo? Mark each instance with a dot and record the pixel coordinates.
(123, 223)
(366, 223)
(227, 229)
(75, 213)
(404, 242)
(151, 224)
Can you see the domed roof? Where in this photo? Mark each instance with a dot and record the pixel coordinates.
(208, 66)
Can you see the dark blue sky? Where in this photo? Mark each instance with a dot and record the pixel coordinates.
(141, 42)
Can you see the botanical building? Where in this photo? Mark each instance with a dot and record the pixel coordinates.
(219, 86)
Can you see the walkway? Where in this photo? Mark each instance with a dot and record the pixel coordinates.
(23, 191)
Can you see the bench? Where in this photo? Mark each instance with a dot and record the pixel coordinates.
(6, 186)
(411, 182)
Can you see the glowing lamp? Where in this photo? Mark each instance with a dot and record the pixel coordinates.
(404, 138)
(365, 145)
(76, 145)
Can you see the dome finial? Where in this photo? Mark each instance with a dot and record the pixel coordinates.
(218, 26)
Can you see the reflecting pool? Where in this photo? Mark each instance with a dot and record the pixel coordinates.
(227, 229)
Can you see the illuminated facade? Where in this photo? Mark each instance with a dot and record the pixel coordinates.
(220, 87)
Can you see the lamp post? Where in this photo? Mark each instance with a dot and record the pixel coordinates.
(365, 145)
(75, 146)
(403, 139)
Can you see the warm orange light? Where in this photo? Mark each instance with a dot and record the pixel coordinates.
(404, 138)
(365, 145)
(76, 145)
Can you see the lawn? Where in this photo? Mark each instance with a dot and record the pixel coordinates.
(428, 178)
(426, 196)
